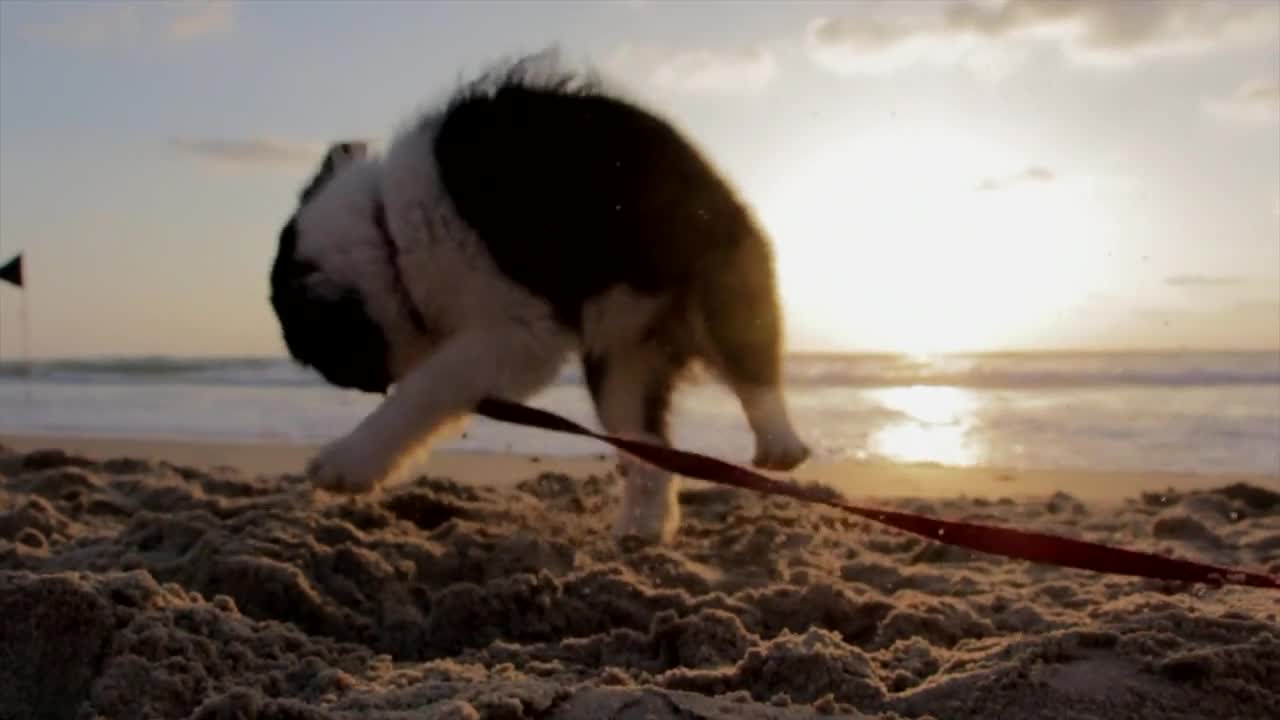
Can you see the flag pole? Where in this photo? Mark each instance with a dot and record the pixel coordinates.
(26, 346)
(12, 272)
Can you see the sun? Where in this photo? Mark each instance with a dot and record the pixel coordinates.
(887, 242)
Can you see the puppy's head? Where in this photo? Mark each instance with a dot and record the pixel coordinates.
(328, 281)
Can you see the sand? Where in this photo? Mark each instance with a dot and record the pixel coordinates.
(156, 588)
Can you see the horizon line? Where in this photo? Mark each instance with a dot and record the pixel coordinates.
(116, 357)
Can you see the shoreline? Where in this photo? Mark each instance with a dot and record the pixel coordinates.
(855, 479)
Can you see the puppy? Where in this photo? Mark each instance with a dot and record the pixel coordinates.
(525, 222)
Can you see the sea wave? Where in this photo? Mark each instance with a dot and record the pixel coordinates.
(163, 370)
(970, 371)
(1028, 374)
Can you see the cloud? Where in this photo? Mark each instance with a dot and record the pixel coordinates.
(260, 152)
(1110, 32)
(877, 44)
(880, 38)
(1204, 281)
(204, 17)
(1254, 103)
(1033, 174)
(102, 25)
(738, 71)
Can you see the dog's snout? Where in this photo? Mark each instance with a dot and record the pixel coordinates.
(289, 272)
(296, 273)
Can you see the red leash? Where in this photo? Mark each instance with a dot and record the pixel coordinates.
(1007, 542)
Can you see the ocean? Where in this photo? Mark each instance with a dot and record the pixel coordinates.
(1203, 413)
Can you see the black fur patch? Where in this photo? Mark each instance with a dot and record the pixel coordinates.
(657, 399)
(656, 393)
(594, 368)
(329, 331)
(574, 192)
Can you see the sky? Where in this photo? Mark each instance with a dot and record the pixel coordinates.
(990, 175)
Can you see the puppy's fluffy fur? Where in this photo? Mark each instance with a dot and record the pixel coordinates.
(526, 221)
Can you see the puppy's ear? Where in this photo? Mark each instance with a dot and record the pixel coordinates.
(346, 151)
(339, 155)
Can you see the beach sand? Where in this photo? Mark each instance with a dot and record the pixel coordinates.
(144, 579)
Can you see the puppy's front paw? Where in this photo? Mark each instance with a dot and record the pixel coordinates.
(348, 465)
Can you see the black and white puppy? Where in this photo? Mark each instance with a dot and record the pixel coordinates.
(525, 222)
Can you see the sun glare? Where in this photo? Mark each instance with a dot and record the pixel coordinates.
(891, 243)
(935, 427)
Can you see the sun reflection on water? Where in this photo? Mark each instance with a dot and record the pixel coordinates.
(936, 426)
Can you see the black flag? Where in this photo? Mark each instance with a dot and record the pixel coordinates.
(12, 270)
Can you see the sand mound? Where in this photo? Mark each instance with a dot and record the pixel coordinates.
(137, 589)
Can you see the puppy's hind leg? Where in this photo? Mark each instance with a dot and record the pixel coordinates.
(740, 309)
(632, 390)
